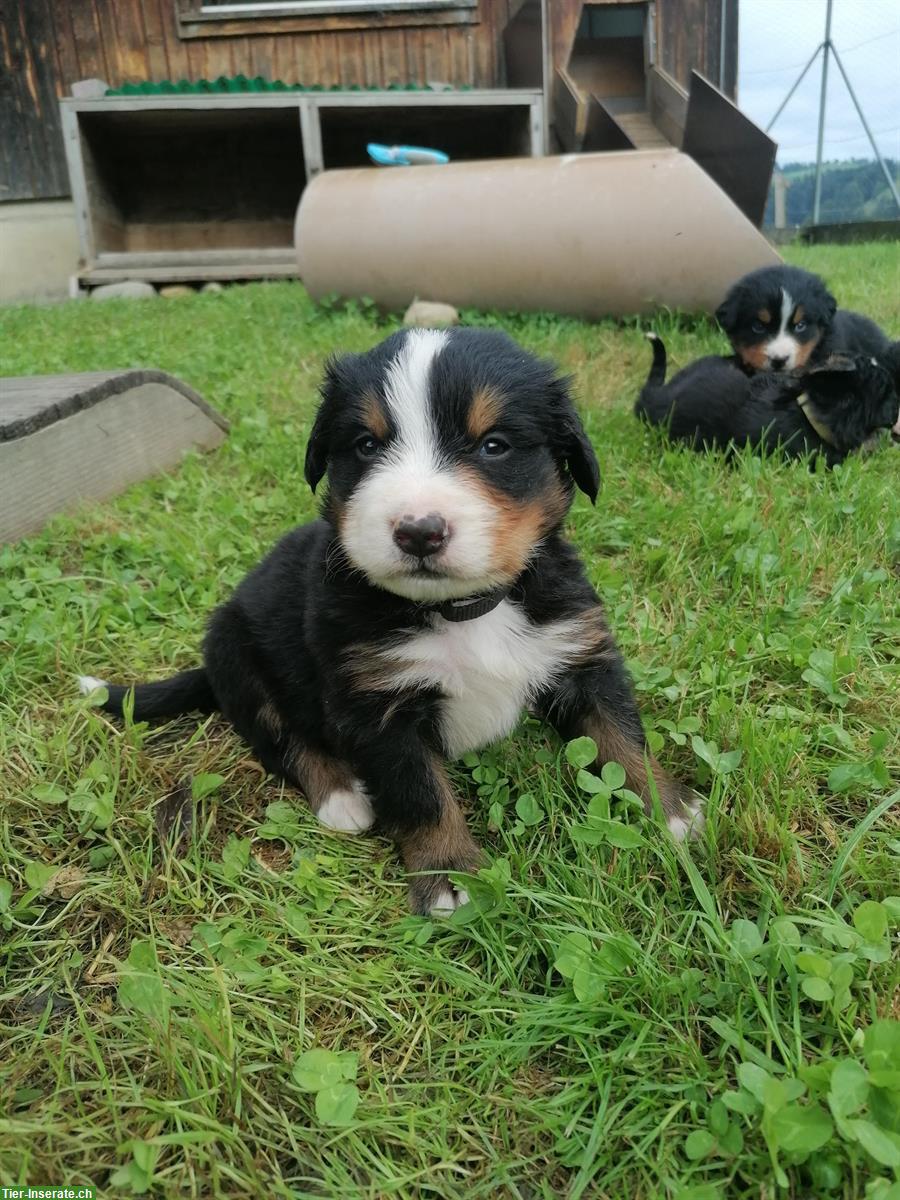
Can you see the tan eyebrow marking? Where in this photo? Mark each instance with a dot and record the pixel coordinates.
(798, 314)
(764, 315)
(484, 410)
(373, 415)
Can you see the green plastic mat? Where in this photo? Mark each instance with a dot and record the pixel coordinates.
(231, 85)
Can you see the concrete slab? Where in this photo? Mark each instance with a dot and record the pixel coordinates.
(38, 250)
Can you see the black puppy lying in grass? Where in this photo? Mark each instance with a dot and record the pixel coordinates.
(829, 409)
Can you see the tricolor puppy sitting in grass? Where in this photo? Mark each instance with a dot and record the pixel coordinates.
(433, 600)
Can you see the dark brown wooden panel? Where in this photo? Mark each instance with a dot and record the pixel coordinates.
(567, 114)
(33, 158)
(729, 147)
(523, 47)
(667, 104)
(602, 131)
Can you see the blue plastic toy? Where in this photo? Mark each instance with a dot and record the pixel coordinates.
(405, 156)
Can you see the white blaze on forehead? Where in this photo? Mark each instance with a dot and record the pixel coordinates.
(787, 307)
(406, 394)
(784, 344)
(410, 478)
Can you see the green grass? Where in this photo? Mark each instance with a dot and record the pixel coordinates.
(625, 1024)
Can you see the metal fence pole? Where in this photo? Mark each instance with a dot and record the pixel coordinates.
(783, 105)
(865, 125)
(826, 50)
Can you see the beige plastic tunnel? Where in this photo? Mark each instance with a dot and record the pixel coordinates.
(588, 234)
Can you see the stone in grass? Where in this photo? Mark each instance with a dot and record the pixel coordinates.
(172, 291)
(127, 289)
(213, 286)
(430, 313)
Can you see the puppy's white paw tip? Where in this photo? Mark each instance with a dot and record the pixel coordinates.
(690, 825)
(347, 812)
(89, 683)
(448, 901)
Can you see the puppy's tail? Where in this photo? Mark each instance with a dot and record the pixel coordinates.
(651, 403)
(657, 376)
(188, 691)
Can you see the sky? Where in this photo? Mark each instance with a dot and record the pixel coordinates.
(776, 39)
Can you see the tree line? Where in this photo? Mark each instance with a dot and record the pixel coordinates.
(853, 190)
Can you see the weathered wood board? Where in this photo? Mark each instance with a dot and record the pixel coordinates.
(69, 439)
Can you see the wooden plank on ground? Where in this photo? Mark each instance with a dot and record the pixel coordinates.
(69, 439)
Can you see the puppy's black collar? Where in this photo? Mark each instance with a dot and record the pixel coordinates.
(469, 607)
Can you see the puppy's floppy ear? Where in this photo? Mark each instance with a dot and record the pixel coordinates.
(727, 312)
(573, 444)
(830, 306)
(317, 448)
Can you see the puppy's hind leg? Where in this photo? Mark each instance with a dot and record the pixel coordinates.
(334, 794)
(250, 702)
(337, 798)
(594, 699)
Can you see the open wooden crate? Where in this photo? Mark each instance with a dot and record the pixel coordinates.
(198, 187)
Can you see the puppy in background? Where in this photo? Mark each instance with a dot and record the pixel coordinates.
(434, 599)
(785, 319)
(829, 409)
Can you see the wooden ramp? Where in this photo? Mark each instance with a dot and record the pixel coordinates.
(67, 439)
(641, 131)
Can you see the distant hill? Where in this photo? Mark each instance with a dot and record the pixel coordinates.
(854, 190)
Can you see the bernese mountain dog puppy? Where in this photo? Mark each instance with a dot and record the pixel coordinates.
(829, 409)
(783, 319)
(433, 600)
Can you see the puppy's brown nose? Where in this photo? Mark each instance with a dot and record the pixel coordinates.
(421, 536)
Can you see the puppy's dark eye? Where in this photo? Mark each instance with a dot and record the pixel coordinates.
(758, 327)
(799, 326)
(366, 447)
(494, 447)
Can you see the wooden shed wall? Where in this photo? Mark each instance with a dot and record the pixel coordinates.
(46, 45)
(689, 38)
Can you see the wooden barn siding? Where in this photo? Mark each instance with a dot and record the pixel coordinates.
(32, 163)
(45, 45)
(126, 41)
(688, 36)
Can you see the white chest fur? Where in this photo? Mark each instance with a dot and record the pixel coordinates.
(488, 669)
